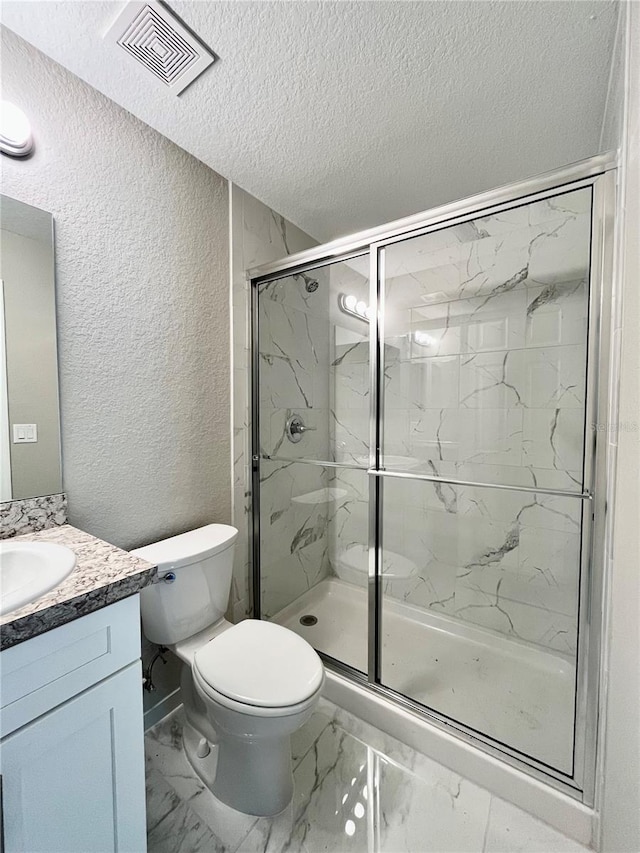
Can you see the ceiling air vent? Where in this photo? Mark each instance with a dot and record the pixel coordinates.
(155, 38)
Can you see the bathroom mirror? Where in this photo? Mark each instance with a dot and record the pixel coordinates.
(29, 410)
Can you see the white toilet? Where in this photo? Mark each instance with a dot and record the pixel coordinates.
(245, 687)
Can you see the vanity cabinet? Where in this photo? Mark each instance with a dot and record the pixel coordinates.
(72, 749)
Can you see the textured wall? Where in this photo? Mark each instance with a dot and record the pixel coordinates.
(611, 131)
(142, 300)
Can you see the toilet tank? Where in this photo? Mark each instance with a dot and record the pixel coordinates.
(195, 581)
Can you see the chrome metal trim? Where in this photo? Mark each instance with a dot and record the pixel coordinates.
(374, 598)
(463, 208)
(254, 551)
(600, 357)
(592, 542)
(282, 269)
(430, 478)
(354, 674)
(493, 210)
(319, 462)
(582, 624)
(587, 527)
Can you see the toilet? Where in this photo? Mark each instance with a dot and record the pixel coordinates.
(245, 688)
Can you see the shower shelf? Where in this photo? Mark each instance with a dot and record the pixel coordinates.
(321, 496)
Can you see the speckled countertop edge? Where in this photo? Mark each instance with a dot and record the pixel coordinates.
(103, 575)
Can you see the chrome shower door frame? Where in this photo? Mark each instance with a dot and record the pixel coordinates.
(598, 173)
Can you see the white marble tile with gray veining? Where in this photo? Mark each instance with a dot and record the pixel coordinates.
(355, 789)
(260, 235)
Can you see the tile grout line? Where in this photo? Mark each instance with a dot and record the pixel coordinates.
(486, 829)
(243, 838)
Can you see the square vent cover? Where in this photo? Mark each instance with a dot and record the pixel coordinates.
(156, 39)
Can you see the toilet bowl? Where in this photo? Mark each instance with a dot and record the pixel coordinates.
(245, 688)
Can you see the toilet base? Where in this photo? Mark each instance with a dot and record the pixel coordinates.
(254, 778)
(205, 767)
(252, 775)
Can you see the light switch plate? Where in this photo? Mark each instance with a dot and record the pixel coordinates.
(25, 433)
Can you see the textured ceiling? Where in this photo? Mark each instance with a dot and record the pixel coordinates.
(344, 115)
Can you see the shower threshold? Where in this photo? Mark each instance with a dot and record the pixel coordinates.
(518, 694)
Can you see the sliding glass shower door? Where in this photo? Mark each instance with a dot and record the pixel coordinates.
(484, 326)
(311, 414)
(423, 467)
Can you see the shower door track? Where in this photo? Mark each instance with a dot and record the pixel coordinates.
(598, 173)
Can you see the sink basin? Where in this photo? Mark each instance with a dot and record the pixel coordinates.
(29, 569)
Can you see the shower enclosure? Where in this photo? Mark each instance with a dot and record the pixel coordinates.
(427, 482)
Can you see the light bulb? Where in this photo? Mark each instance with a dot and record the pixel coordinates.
(350, 827)
(361, 308)
(350, 302)
(369, 313)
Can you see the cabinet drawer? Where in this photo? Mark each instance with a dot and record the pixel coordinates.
(42, 672)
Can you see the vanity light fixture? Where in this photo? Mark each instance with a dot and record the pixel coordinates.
(350, 304)
(16, 139)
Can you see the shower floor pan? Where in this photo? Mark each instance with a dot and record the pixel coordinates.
(515, 693)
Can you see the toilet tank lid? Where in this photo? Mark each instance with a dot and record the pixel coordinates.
(187, 548)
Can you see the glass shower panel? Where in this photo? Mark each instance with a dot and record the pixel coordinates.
(293, 367)
(313, 422)
(480, 610)
(485, 364)
(485, 347)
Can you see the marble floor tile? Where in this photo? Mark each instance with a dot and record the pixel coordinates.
(349, 797)
(355, 789)
(172, 827)
(166, 758)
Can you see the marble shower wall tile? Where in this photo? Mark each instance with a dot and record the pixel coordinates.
(295, 511)
(294, 379)
(484, 380)
(258, 235)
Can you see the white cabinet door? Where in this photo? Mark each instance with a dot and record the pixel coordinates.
(73, 780)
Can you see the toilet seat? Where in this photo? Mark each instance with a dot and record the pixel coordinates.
(253, 710)
(260, 667)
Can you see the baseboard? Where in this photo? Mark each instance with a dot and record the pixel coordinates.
(160, 710)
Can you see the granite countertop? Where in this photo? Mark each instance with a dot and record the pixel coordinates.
(103, 575)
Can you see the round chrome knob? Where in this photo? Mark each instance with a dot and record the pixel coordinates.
(295, 428)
